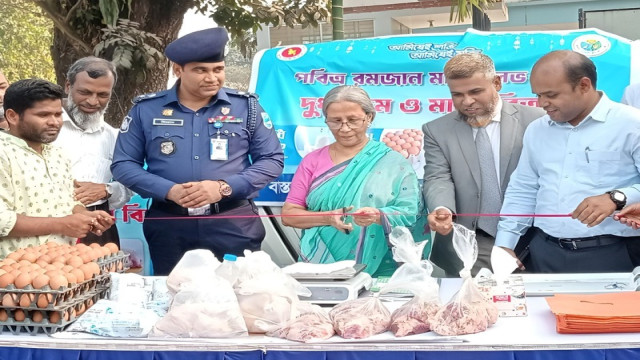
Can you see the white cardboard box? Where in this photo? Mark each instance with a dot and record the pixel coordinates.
(508, 295)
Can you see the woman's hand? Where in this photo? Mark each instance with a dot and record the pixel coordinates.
(337, 220)
(366, 216)
(629, 216)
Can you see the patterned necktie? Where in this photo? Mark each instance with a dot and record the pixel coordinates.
(490, 195)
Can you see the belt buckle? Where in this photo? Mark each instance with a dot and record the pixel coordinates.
(200, 211)
(573, 245)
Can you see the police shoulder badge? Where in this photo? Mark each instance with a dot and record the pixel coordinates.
(125, 124)
(266, 120)
(167, 147)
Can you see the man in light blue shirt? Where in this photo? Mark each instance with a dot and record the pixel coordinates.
(583, 159)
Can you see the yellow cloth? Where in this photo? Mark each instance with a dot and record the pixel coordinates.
(33, 185)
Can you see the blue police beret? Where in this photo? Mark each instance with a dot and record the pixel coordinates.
(201, 46)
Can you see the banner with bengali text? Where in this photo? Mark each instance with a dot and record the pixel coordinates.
(404, 77)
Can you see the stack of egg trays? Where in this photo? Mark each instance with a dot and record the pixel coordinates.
(118, 262)
(64, 309)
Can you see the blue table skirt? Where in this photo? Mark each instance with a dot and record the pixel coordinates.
(16, 353)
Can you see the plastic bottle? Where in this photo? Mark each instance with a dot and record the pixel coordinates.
(228, 270)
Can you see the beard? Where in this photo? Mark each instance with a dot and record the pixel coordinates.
(83, 120)
(483, 119)
(29, 133)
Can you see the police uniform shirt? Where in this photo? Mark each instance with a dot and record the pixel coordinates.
(175, 142)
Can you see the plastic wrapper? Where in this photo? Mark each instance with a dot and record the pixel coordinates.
(414, 275)
(267, 296)
(129, 289)
(202, 308)
(193, 264)
(360, 318)
(468, 312)
(313, 324)
(113, 319)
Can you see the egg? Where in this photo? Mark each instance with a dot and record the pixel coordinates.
(94, 245)
(106, 252)
(2, 272)
(30, 257)
(14, 256)
(9, 300)
(19, 315)
(54, 317)
(26, 300)
(37, 316)
(87, 270)
(15, 273)
(67, 268)
(79, 275)
(3, 315)
(23, 280)
(57, 282)
(59, 265)
(40, 281)
(71, 278)
(86, 257)
(6, 280)
(45, 258)
(44, 300)
(113, 247)
(7, 268)
(75, 261)
(60, 259)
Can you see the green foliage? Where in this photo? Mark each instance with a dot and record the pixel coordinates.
(240, 16)
(129, 47)
(25, 39)
(462, 9)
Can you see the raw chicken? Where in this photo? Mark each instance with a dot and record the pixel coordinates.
(360, 318)
(310, 326)
(413, 317)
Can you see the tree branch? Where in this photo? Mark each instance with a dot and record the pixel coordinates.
(62, 25)
(67, 19)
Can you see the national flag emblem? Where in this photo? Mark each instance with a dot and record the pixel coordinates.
(291, 52)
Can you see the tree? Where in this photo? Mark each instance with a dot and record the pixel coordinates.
(134, 33)
(462, 9)
(25, 37)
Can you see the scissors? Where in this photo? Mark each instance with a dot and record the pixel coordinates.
(343, 218)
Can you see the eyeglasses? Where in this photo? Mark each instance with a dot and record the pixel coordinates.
(352, 124)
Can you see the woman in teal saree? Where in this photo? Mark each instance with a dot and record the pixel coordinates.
(373, 185)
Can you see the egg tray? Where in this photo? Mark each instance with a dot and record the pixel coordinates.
(46, 327)
(118, 262)
(58, 298)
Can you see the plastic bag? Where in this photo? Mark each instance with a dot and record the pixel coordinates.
(113, 319)
(205, 308)
(313, 324)
(192, 265)
(468, 311)
(414, 275)
(267, 296)
(360, 318)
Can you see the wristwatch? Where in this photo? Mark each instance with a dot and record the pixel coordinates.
(225, 189)
(618, 198)
(109, 190)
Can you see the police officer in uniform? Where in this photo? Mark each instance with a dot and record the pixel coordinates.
(208, 151)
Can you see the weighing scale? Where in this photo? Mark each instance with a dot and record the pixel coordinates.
(334, 288)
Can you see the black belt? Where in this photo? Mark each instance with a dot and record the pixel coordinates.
(104, 207)
(216, 208)
(585, 242)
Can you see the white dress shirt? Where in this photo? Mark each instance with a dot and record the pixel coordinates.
(91, 154)
(631, 95)
(562, 164)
